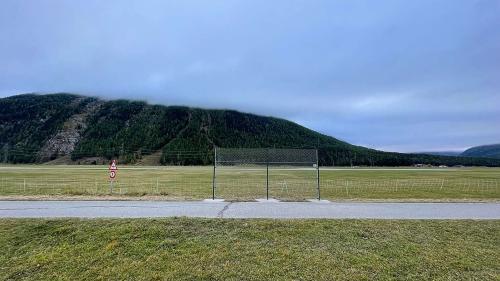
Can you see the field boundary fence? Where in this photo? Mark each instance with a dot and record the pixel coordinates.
(345, 188)
(199, 188)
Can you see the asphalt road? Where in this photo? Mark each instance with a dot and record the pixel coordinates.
(148, 209)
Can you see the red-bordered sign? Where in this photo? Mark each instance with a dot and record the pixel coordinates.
(112, 166)
(112, 170)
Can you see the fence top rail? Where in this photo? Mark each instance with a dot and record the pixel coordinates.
(242, 156)
(264, 162)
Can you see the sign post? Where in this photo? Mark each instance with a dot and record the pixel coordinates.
(112, 175)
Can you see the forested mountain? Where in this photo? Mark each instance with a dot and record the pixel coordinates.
(77, 129)
(490, 151)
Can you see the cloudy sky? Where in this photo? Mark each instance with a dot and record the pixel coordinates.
(393, 75)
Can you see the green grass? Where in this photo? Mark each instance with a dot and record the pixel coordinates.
(173, 183)
(215, 249)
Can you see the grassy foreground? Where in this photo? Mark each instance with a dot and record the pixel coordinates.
(211, 249)
(174, 183)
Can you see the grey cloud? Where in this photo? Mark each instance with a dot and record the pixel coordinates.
(394, 75)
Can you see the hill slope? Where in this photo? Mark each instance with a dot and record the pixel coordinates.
(41, 128)
(441, 153)
(490, 151)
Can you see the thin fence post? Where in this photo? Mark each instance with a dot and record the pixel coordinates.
(317, 175)
(267, 174)
(214, 174)
(347, 187)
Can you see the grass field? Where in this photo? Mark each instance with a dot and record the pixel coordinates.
(172, 183)
(204, 249)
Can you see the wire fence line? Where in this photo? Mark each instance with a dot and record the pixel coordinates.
(285, 188)
(97, 186)
(465, 186)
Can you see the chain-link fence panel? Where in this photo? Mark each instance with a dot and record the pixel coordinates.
(251, 173)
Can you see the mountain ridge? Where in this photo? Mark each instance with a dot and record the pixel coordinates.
(440, 153)
(488, 151)
(42, 128)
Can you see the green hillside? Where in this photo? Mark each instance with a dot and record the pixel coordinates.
(490, 151)
(41, 128)
(28, 121)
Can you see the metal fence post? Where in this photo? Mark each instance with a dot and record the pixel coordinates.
(317, 175)
(214, 174)
(267, 174)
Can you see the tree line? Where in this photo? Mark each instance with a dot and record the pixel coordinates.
(129, 130)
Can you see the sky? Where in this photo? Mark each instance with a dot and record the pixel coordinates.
(405, 76)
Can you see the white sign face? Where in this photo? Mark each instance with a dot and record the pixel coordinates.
(112, 174)
(113, 165)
